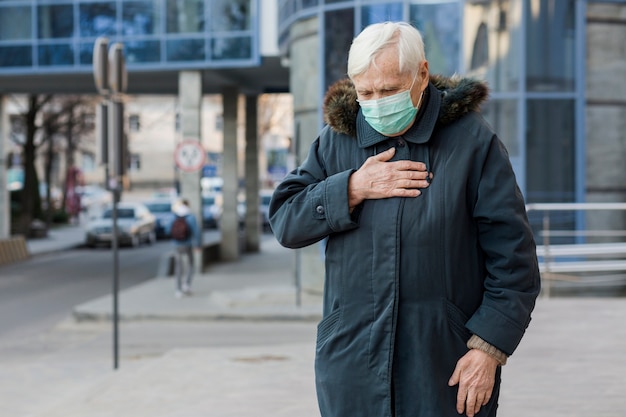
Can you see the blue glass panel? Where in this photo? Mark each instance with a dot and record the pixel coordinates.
(380, 13)
(142, 51)
(550, 151)
(228, 15)
(97, 19)
(86, 53)
(185, 16)
(338, 35)
(55, 21)
(231, 48)
(50, 55)
(550, 46)
(185, 50)
(140, 18)
(15, 56)
(440, 25)
(15, 23)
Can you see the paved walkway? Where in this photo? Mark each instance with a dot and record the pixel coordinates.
(571, 363)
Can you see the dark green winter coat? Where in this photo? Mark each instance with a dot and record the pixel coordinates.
(409, 280)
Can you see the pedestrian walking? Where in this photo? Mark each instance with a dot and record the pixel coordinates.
(185, 235)
(431, 266)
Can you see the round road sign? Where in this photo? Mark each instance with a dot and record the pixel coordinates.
(189, 156)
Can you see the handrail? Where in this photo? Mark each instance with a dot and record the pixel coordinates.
(546, 233)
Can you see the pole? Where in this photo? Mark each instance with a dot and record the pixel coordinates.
(116, 279)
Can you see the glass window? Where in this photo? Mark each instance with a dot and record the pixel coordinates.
(15, 23)
(58, 54)
(185, 50)
(140, 18)
(134, 123)
(380, 13)
(228, 15)
(16, 56)
(550, 45)
(86, 53)
(142, 51)
(502, 116)
(338, 35)
(97, 19)
(55, 21)
(492, 38)
(439, 24)
(550, 148)
(185, 16)
(231, 48)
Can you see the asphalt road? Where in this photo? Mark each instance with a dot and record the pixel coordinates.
(41, 291)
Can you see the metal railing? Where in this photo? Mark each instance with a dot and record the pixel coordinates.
(560, 261)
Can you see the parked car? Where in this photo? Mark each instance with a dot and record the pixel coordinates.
(211, 210)
(135, 225)
(162, 210)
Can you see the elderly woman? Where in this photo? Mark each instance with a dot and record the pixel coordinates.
(431, 269)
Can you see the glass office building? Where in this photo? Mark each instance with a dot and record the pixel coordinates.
(532, 54)
(39, 36)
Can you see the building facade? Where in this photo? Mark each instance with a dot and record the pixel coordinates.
(555, 68)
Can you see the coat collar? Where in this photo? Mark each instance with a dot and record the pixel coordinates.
(448, 99)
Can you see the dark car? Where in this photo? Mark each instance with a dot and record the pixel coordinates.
(162, 210)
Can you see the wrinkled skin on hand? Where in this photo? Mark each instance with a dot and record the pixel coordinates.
(475, 373)
(377, 178)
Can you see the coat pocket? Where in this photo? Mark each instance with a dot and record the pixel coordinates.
(457, 320)
(327, 327)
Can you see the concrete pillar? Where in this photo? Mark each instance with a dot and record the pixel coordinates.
(252, 222)
(5, 204)
(229, 224)
(190, 98)
(305, 81)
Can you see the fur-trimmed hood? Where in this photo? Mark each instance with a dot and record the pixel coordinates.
(459, 96)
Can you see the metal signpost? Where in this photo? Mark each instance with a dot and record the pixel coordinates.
(110, 76)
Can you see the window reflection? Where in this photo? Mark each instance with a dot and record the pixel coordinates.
(231, 48)
(550, 45)
(97, 19)
(15, 23)
(550, 144)
(16, 56)
(338, 35)
(439, 24)
(380, 13)
(142, 51)
(55, 21)
(185, 50)
(492, 30)
(140, 18)
(228, 15)
(185, 16)
(50, 55)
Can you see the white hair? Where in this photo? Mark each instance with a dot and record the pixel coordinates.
(379, 36)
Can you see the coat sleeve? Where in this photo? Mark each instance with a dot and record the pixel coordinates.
(512, 283)
(310, 204)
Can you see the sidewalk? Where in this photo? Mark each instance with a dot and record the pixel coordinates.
(570, 364)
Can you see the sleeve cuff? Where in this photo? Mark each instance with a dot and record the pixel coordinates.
(476, 342)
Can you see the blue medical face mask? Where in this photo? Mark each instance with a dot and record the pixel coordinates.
(392, 114)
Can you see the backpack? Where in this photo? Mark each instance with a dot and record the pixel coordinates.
(180, 229)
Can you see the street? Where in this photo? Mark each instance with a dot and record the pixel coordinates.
(46, 355)
(39, 292)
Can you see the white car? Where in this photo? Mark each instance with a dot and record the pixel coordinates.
(135, 225)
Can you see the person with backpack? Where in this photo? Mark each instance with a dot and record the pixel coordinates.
(185, 235)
